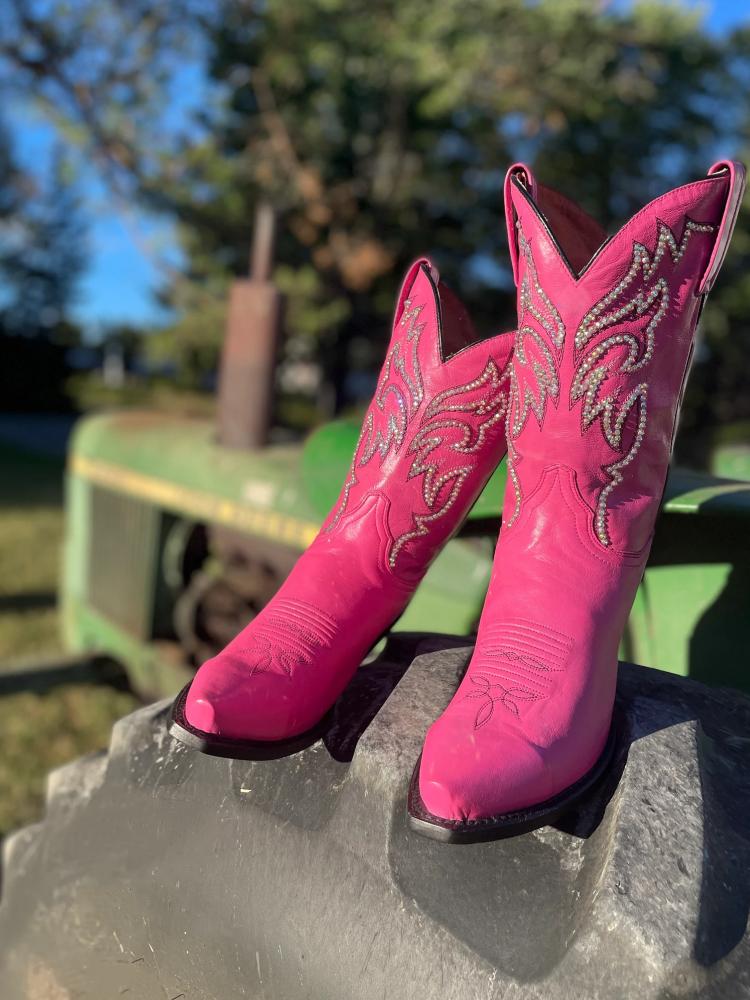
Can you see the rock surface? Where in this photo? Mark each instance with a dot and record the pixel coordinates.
(162, 873)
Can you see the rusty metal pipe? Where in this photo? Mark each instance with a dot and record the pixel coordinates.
(248, 363)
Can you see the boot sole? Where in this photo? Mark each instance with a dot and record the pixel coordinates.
(225, 746)
(504, 825)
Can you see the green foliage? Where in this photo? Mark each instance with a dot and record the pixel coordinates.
(89, 393)
(194, 341)
(380, 132)
(717, 403)
(103, 70)
(42, 245)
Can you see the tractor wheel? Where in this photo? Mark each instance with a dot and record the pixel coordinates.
(214, 608)
(159, 873)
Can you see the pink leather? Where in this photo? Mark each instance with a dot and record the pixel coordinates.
(605, 336)
(431, 438)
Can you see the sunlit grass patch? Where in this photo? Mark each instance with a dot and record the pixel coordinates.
(31, 528)
(39, 731)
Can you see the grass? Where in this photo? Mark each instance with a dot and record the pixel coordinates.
(38, 731)
(31, 524)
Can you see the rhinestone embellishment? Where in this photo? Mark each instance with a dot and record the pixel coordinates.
(638, 395)
(439, 421)
(548, 318)
(406, 395)
(594, 370)
(456, 421)
(598, 319)
(533, 302)
(407, 402)
(641, 294)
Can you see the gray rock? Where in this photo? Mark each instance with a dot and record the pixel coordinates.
(172, 874)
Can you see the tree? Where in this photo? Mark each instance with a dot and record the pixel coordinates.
(42, 254)
(45, 253)
(382, 131)
(717, 402)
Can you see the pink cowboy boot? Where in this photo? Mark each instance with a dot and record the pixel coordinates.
(604, 342)
(434, 433)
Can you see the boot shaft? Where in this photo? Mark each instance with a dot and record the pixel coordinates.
(433, 433)
(605, 337)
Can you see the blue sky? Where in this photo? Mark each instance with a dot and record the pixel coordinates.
(126, 245)
(724, 14)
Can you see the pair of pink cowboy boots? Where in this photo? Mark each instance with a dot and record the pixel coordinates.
(585, 397)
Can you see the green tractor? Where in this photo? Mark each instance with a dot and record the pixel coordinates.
(179, 531)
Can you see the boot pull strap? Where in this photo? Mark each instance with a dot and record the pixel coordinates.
(726, 227)
(522, 173)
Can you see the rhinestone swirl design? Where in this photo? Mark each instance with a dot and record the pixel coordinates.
(598, 319)
(399, 395)
(643, 297)
(407, 395)
(440, 421)
(543, 382)
(456, 421)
